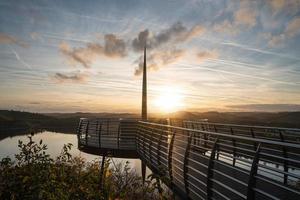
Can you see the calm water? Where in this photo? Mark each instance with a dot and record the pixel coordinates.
(55, 142)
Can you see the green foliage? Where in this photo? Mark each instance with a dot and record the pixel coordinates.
(35, 175)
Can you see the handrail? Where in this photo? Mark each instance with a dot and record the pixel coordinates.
(293, 145)
(244, 126)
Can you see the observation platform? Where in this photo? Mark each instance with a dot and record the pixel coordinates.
(203, 160)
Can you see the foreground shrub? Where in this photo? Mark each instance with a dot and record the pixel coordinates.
(35, 175)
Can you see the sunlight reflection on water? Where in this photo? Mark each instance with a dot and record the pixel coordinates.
(55, 142)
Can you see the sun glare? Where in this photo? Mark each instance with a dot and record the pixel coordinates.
(170, 99)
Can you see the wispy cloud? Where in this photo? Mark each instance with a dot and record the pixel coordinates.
(20, 59)
(113, 48)
(206, 55)
(246, 14)
(159, 59)
(292, 29)
(287, 6)
(8, 39)
(177, 33)
(74, 77)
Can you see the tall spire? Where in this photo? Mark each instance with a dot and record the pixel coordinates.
(144, 97)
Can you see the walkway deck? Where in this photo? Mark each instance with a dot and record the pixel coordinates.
(204, 160)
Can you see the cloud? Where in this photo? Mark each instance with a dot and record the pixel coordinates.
(205, 55)
(113, 48)
(276, 40)
(7, 39)
(293, 27)
(225, 27)
(74, 77)
(291, 30)
(266, 107)
(158, 59)
(35, 35)
(177, 33)
(288, 6)
(245, 15)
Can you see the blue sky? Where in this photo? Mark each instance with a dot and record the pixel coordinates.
(68, 56)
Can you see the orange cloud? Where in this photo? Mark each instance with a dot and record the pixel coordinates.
(245, 15)
(206, 55)
(292, 29)
(7, 39)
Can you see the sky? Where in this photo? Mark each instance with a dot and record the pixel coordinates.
(86, 56)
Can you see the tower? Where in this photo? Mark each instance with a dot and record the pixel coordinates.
(144, 97)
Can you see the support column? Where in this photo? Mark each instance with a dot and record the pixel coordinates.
(144, 97)
(102, 171)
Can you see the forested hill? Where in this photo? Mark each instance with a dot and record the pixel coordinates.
(279, 119)
(16, 121)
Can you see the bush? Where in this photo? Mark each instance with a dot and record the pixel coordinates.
(35, 175)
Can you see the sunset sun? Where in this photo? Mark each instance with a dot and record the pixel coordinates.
(170, 99)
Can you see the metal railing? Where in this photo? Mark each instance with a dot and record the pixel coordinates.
(107, 133)
(214, 165)
(202, 160)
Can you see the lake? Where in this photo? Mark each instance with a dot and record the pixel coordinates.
(55, 142)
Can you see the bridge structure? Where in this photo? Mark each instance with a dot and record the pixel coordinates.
(203, 160)
(199, 159)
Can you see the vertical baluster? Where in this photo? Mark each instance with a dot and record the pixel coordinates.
(253, 136)
(233, 148)
(170, 156)
(285, 162)
(118, 136)
(86, 133)
(79, 132)
(159, 147)
(253, 172)
(185, 162)
(209, 169)
(99, 134)
(150, 145)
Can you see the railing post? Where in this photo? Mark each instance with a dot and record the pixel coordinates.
(170, 156)
(253, 136)
(159, 148)
(185, 162)
(209, 169)
(86, 132)
(253, 172)
(97, 128)
(216, 130)
(233, 148)
(79, 132)
(118, 137)
(107, 126)
(150, 145)
(99, 134)
(285, 162)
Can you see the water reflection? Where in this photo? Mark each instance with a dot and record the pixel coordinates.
(55, 142)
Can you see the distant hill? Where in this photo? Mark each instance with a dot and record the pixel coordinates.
(92, 115)
(16, 122)
(280, 119)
